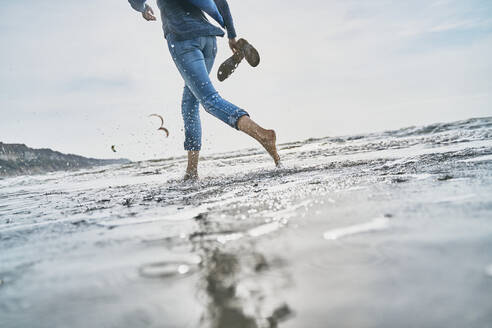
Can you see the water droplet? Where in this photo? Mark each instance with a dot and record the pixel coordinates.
(183, 269)
(168, 269)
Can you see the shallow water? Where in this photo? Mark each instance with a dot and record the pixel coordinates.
(379, 230)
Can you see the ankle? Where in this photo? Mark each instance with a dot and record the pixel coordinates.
(190, 176)
(266, 135)
(192, 170)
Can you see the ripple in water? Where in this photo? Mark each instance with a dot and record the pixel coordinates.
(170, 268)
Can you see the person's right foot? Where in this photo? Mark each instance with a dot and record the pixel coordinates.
(190, 176)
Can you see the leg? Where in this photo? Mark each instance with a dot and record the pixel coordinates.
(193, 132)
(192, 123)
(266, 138)
(192, 168)
(191, 119)
(194, 59)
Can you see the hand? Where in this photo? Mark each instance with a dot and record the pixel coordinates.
(233, 45)
(148, 14)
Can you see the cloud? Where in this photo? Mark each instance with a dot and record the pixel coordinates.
(97, 69)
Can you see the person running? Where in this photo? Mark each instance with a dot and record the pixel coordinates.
(191, 40)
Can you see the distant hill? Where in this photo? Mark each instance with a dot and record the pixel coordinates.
(18, 159)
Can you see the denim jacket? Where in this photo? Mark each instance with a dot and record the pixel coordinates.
(183, 21)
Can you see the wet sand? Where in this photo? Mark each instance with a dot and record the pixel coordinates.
(379, 230)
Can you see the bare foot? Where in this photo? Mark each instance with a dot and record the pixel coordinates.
(267, 138)
(190, 176)
(192, 168)
(268, 141)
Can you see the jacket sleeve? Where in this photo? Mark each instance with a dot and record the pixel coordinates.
(138, 5)
(224, 10)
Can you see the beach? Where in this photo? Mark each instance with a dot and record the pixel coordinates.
(373, 230)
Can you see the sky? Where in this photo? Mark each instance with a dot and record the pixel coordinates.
(80, 76)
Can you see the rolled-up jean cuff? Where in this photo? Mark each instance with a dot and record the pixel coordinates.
(237, 115)
(192, 147)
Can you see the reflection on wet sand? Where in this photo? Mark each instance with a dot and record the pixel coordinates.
(236, 284)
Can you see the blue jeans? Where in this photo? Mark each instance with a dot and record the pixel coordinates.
(194, 59)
